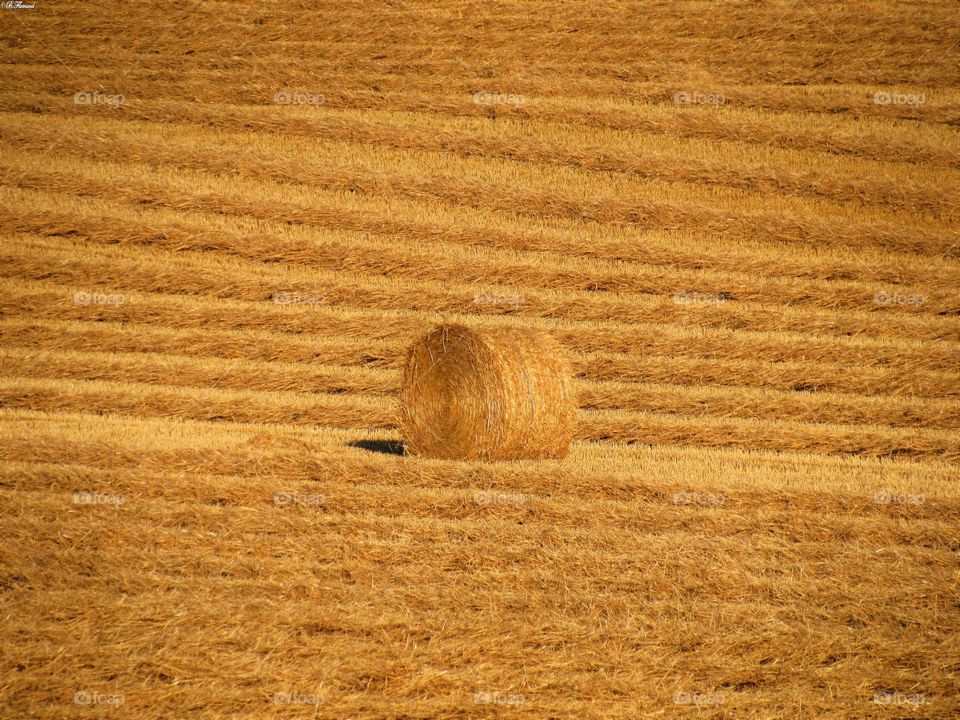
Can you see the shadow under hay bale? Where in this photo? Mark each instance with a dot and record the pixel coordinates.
(497, 393)
(387, 447)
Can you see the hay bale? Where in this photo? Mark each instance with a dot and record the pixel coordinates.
(487, 394)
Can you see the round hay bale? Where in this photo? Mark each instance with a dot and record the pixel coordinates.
(487, 394)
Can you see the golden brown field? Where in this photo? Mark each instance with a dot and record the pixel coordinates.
(223, 223)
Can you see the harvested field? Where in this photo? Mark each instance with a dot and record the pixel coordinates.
(223, 225)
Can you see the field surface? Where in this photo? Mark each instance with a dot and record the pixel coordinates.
(223, 223)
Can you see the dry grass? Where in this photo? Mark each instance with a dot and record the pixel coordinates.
(206, 301)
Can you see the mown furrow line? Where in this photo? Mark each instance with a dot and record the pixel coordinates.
(608, 158)
(151, 79)
(303, 453)
(260, 346)
(356, 252)
(471, 226)
(173, 370)
(645, 428)
(370, 412)
(348, 61)
(810, 407)
(749, 127)
(44, 299)
(185, 241)
(180, 271)
(808, 559)
(850, 101)
(480, 141)
(784, 375)
(664, 506)
(571, 28)
(211, 372)
(228, 406)
(628, 207)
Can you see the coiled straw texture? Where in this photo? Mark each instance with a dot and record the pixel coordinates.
(487, 394)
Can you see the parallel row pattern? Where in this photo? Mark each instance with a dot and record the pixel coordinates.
(223, 223)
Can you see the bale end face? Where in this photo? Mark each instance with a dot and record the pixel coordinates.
(487, 394)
